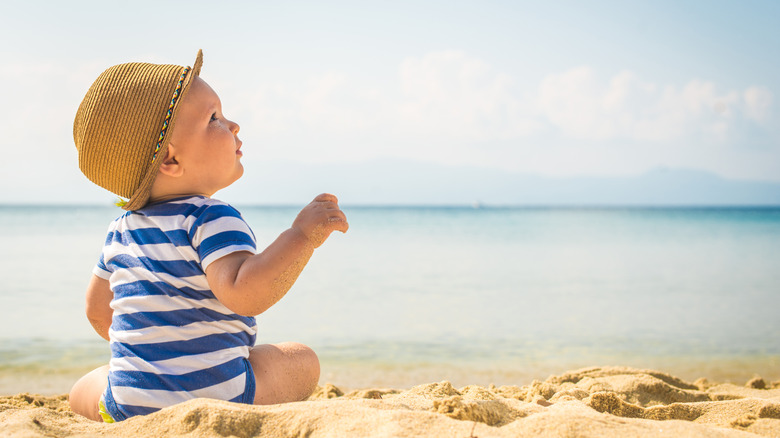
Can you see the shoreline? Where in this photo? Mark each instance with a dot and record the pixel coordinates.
(356, 374)
(589, 402)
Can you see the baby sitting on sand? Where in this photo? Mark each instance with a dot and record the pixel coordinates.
(179, 281)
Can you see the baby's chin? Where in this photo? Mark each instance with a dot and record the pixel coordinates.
(239, 171)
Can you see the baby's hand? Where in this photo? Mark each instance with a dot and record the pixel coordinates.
(320, 218)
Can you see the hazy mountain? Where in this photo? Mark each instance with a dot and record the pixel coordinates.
(422, 183)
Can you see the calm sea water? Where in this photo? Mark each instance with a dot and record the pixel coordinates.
(412, 295)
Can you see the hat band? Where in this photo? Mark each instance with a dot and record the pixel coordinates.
(170, 112)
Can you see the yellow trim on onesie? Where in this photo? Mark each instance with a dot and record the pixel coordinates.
(104, 412)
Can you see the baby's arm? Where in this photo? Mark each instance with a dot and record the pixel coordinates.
(250, 284)
(99, 311)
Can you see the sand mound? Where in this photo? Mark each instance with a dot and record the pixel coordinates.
(592, 402)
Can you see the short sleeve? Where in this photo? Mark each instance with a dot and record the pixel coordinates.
(220, 230)
(101, 270)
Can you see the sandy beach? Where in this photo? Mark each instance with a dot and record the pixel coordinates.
(590, 402)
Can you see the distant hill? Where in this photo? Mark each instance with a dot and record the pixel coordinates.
(422, 183)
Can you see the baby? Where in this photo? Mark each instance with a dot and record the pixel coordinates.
(179, 281)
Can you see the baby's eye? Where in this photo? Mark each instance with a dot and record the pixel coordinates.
(213, 117)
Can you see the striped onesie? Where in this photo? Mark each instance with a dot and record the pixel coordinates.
(171, 339)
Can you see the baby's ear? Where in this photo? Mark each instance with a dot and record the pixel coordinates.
(170, 166)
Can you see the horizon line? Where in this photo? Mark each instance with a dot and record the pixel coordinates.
(433, 205)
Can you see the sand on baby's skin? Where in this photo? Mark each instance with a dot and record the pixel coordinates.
(591, 402)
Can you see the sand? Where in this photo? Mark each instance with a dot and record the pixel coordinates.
(591, 402)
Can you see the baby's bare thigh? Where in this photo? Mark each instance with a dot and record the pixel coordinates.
(86, 393)
(284, 372)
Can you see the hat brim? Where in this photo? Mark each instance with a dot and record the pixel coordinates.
(141, 195)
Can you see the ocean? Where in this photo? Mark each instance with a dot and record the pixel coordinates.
(473, 295)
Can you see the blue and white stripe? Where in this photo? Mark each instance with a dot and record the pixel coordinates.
(171, 339)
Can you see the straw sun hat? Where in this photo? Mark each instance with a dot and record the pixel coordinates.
(123, 125)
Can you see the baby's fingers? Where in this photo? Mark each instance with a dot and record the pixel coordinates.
(338, 221)
(326, 197)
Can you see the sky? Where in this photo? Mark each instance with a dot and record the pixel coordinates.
(559, 89)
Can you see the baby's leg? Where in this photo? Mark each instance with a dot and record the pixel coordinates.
(284, 372)
(85, 395)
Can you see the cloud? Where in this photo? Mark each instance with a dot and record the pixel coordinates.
(450, 107)
(450, 95)
(321, 117)
(758, 102)
(583, 106)
(430, 94)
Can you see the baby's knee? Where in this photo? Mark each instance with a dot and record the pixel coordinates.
(306, 357)
(85, 394)
(284, 372)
